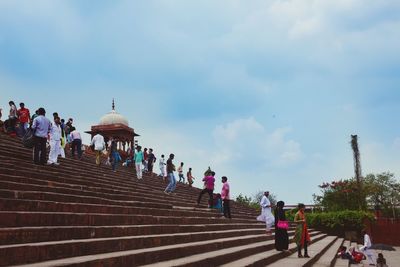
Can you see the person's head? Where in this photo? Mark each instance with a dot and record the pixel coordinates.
(342, 249)
(190, 169)
(70, 120)
(224, 179)
(62, 121)
(57, 120)
(162, 156)
(301, 206)
(73, 129)
(280, 204)
(364, 232)
(37, 112)
(11, 103)
(151, 150)
(218, 195)
(171, 156)
(21, 105)
(41, 111)
(138, 148)
(380, 256)
(55, 114)
(266, 193)
(181, 163)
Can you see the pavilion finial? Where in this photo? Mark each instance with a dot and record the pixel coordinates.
(113, 105)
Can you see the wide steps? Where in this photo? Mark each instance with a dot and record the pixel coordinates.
(17, 235)
(34, 252)
(80, 214)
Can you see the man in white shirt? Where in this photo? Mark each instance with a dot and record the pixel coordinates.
(366, 249)
(163, 167)
(266, 214)
(76, 140)
(99, 145)
(55, 141)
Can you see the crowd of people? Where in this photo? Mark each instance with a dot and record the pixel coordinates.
(61, 137)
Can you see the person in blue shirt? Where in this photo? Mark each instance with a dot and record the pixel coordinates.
(41, 126)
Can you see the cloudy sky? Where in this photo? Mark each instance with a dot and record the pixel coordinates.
(265, 92)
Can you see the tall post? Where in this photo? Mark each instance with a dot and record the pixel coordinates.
(357, 167)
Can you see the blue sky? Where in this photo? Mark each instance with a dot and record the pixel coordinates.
(265, 92)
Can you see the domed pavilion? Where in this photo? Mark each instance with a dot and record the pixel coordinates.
(115, 126)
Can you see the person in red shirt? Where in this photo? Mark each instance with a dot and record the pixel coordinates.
(23, 116)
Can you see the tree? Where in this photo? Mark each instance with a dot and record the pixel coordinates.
(340, 195)
(383, 192)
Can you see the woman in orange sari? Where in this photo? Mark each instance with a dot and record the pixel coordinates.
(301, 236)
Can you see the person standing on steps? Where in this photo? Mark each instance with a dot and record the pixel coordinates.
(281, 234)
(41, 126)
(266, 214)
(209, 182)
(225, 197)
(180, 173)
(24, 116)
(150, 161)
(190, 177)
(76, 140)
(114, 155)
(163, 167)
(139, 159)
(301, 235)
(170, 173)
(55, 142)
(99, 145)
(145, 156)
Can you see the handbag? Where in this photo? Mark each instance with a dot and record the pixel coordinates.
(28, 140)
(283, 225)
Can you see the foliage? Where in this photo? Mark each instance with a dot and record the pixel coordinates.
(335, 222)
(380, 190)
(383, 192)
(341, 195)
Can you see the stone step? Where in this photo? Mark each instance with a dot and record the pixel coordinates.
(152, 255)
(18, 235)
(225, 256)
(24, 219)
(328, 259)
(265, 258)
(140, 208)
(36, 252)
(315, 250)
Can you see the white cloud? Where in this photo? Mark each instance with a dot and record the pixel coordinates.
(247, 140)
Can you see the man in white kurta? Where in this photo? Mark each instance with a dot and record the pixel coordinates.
(163, 167)
(55, 142)
(369, 254)
(266, 214)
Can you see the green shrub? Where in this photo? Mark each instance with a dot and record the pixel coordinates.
(338, 222)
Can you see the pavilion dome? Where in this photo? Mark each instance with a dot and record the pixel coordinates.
(113, 117)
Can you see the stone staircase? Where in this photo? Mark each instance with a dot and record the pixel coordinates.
(79, 214)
